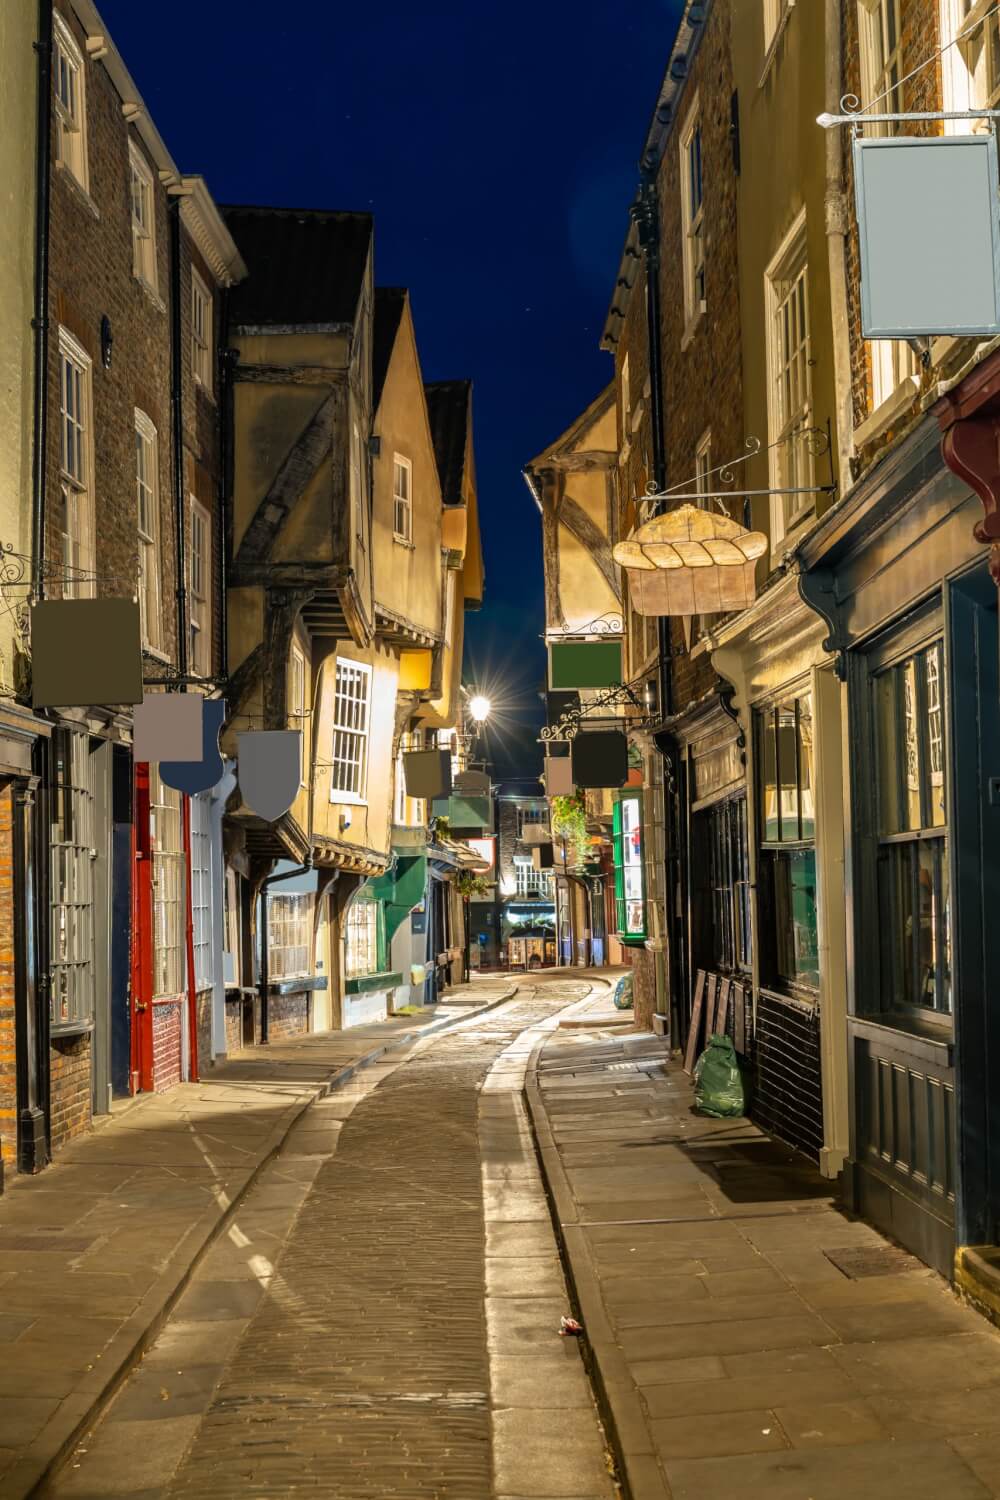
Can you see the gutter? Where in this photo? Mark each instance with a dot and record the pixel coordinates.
(40, 320)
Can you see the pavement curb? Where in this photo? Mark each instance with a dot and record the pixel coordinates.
(80, 1411)
(617, 1397)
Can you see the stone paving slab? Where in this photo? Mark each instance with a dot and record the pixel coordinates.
(95, 1251)
(730, 1355)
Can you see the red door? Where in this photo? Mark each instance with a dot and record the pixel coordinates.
(142, 936)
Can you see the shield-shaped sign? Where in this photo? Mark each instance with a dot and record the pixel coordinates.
(270, 762)
(194, 776)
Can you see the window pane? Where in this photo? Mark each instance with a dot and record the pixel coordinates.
(770, 824)
(915, 920)
(806, 801)
(796, 953)
(788, 772)
(934, 741)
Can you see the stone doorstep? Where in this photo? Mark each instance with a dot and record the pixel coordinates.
(977, 1279)
(77, 1414)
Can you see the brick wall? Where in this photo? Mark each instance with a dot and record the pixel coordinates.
(234, 1025)
(203, 1004)
(288, 1015)
(8, 1054)
(920, 37)
(70, 1089)
(167, 1021)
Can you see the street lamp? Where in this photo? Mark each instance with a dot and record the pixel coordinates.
(479, 707)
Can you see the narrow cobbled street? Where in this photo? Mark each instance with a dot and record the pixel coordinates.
(382, 1316)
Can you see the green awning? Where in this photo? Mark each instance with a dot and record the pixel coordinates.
(400, 889)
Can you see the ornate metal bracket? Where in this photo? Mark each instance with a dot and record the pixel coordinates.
(726, 693)
(817, 441)
(621, 695)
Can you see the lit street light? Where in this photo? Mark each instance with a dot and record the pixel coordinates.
(479, 708)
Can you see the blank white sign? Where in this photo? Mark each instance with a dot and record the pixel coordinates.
(929, 222)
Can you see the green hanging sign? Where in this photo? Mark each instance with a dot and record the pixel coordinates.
(584, 664)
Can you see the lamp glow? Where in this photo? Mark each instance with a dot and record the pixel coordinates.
(479, 708)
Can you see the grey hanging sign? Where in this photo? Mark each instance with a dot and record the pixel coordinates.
(269, 762)
(929, 228)
(194, 776)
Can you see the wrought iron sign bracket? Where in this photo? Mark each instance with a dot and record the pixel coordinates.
(817, 440)
(620, 695)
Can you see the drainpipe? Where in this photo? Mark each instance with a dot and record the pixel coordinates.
(647, 217)
(220, 795)
(227, 361)
(192, 992)
(177, 417)
(836, 244)
(266, 885)
(40, 321)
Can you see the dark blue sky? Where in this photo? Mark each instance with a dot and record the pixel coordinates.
(496, 146)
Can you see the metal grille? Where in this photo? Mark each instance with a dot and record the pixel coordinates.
(348, 772)
(168, 887)
(788, 1097)
(72, 839)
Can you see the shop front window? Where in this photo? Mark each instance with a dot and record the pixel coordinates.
(790, 956)
(630, 884)
(729, 880)
(912, 865)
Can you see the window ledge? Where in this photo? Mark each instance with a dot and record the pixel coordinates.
(884, 415)
(775, 41)
(296, 985)
(78, 190)
(365, 984)
(401, 541)
(156, 654)
(691, 328)
(151, 293)
(70, 1029)
(206, 390)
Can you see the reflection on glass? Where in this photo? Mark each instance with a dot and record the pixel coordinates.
(769, 779)
(934, 758)
(788, 771)
(806, 767)
(915, 922)
(911, 753)
(795, 914)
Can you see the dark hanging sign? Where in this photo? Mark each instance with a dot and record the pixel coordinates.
(600, 759)
(584, 664)
(194, 776)
(85, 652)
(427, 773)
(558, 704)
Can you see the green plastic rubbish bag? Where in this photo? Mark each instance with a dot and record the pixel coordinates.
(718, 1084)
(623, 993)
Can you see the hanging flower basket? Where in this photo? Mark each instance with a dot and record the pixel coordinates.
(691, 562)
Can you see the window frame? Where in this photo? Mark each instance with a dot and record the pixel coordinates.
(70, 125)
(788, 269)
(374, 937)
(878, 61)
(693, 217)
(408, 812)
(402, 505)
(626, 932)
(202, 343)
(201, 891)
(965, 64)
(298, 703)
(348, 795)
(200, 593)
(77, 489)
(72, 977)
(777, 852)
(143, 236)
(299, 919)
(147, 444)
(536, 813)
(169, 892)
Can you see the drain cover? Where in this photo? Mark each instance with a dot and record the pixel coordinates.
(874, 1260)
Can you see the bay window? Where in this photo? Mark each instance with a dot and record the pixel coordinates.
(289, 934)
(361, 938)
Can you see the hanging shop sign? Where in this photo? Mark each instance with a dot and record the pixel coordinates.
(584, 664)
(557, 705)
(929, 232)
(85, 652)
(543, 857)
(269, 770)
(630, 876)
(486, 849)
(558, 776)
(599, 758)
(691, 561)
(194, 776)
(168, 726)
(427, 773)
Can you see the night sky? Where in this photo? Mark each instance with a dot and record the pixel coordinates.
(497, 148)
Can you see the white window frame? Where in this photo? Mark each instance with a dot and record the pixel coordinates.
(72, 853)
(361, 920)
(297, 700)
(202, 310)
(147, 485)
(351, 727)
(537, 815)
(402, 499)
(408, 812)
(290, 934)
(772, 15)
(69, 101)
(200, 592)
(76, 466)
(789, 383)
(201, 890)
(169, 916)
(703, 468)
(881, 63)
(143, 233)
(693, 217)
(969, 81)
